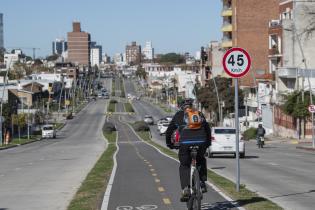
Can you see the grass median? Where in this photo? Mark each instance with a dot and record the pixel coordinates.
(90, 194)
(22, 140)
(112, 106)
(245, 198)
(129, 107)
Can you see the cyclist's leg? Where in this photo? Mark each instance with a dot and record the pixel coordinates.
(202, 163)
(184, 168)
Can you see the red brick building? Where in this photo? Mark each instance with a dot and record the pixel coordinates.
(78, 46)
(245, 24)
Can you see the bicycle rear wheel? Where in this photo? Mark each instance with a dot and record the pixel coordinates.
(196, 197)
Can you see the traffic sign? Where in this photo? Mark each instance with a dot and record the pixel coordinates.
(236, 62)
(258, 112)
(311, 108)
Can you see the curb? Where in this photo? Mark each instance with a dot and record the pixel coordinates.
(306, 148)
(17, 145)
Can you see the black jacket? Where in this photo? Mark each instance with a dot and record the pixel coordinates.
(177, 121)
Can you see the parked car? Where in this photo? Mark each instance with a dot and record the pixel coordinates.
(224, 142)
(163, 128)
(48, 131)
(148, 119)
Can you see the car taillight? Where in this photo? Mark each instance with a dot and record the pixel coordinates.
(212, 138)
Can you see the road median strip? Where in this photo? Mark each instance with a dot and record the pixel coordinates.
(90, 194)
(245, 198)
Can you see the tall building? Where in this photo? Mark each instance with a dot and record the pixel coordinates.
(118, 58)
(93, 45)
(245, 24)
(79, 46)
(95, 56)
(59, 46)
(148, 51)
(133, 54)
(1, 32)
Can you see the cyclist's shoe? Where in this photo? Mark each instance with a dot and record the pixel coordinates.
(203, 187)
(185, 194)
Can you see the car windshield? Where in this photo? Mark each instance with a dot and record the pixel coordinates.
(224, 131)
(46, 128)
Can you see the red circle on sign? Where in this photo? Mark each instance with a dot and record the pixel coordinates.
(227, 70)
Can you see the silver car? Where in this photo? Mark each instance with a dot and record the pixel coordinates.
(148, 119)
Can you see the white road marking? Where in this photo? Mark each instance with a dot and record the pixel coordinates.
(273, 164)
(111, 180)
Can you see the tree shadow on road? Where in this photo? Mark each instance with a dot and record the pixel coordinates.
(224, 205)
(285, 195)
(243, 202)
(3, 208)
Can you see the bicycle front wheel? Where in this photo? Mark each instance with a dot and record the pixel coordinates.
(197, 191)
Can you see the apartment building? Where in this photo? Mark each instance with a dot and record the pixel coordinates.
(1, 32)
(290, 49)
(59, 46)
(133, 54)
(245, 24)
(148, 51)
(78, 46)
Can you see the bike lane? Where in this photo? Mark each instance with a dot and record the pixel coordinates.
(146, 180)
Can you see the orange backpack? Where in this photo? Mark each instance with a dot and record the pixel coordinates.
(192, 118)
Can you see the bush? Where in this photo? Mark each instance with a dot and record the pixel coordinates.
(109, 127)
(250, 134)
(141, 126)
(113, 101)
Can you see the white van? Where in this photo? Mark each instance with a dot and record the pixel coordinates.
(48, 131)
(224, 142)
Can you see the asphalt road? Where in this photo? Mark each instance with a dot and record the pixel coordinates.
(145, 178)
(279, 171)
(47, 174)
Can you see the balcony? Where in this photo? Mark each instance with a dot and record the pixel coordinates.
(227, 27)
(226, 43)
(274, 51)
(275, 24)
(287, 72)
(227, 12)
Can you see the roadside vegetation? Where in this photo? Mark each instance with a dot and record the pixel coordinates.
(90, 194)
(245, 198)
(112, 106)
(128, 107)
(122, 88)
(113, 86)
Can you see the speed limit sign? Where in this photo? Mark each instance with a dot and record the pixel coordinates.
(236, 62)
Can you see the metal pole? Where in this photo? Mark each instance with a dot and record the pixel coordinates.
(219, 104)
(237, 137)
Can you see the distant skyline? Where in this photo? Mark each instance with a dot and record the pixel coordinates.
(172, 26)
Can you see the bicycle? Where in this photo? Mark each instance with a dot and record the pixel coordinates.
(261, 142)
(194, 202)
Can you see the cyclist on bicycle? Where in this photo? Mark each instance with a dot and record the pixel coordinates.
(184, 149)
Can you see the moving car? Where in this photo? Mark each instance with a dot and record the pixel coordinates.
(224, 142)
(163, 128)
(160, 123)
(148, 119)
(48, 131)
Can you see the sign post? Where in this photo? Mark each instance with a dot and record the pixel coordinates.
(311, 109)
(236, 63)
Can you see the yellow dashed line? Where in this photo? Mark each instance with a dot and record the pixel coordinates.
(161, 189)
(294, 142)
(154, 174)
(167, 201)
(157, 180)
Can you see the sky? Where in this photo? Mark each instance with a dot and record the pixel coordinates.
(172, 25)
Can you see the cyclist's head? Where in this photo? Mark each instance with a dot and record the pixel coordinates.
(260, 125)
(186, 103)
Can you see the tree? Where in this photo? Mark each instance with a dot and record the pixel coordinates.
(309, 16)
(141, 72)
(20, 121)
(171, 58)
(207, 95)
(53, 57)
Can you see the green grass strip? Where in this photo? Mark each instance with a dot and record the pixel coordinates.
(90, 195)
(129, 107)
(22, 140)
(111, 106)
(245, 198)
